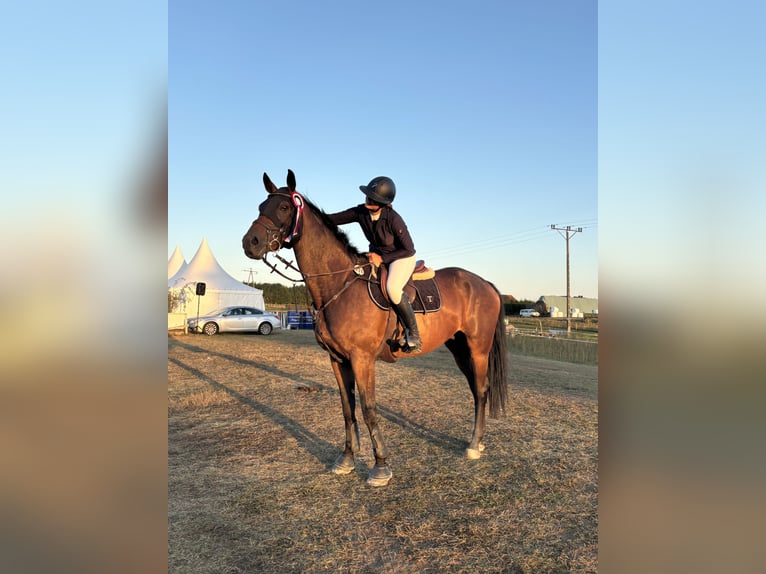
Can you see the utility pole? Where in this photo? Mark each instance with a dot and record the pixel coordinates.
(568, 233)
(250, 278)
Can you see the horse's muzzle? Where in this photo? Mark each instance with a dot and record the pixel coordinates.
(254, 248)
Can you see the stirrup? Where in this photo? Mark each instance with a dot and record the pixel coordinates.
(413, 345)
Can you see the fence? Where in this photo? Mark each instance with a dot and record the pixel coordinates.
(558, 348)
(176, 321)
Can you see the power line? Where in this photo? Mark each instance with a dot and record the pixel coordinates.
(486, 244)
(499, 241)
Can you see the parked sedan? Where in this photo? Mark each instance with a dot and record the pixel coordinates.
(235, 319)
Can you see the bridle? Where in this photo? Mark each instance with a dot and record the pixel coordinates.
(273, 234)
(277, 238)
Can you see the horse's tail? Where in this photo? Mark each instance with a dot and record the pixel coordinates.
(497, 370)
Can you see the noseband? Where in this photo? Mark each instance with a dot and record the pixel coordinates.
(274, 235)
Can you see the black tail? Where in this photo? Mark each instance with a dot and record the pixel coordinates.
(497, 371)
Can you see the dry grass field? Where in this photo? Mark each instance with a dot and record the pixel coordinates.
(255, 425)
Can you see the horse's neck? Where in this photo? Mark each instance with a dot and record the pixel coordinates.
(322, 258)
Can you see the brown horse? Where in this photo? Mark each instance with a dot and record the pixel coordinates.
(356, 332)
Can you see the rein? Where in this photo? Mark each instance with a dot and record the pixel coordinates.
(357, 269)
(277, 239)
(338, 294)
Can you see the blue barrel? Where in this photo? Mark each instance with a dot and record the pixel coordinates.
(306, 320)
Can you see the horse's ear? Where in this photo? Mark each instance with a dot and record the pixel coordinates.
(290, 180)
(270, 187)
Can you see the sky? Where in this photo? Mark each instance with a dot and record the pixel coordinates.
(484, 115)
(81, 113)
(682, 143)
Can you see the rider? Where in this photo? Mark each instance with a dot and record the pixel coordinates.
(390, 243)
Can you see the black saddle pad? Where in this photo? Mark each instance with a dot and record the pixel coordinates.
(427, 296)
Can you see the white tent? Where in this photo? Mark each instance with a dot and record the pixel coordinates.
(176, 262)
(221, 289)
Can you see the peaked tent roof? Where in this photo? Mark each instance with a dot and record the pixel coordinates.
(176, 262)
(204, 268)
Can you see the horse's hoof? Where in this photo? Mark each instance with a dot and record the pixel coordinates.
(344, 464)
(472, 453)
(379, 476)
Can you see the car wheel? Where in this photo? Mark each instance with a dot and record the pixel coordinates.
(265, 328)
(210, 329)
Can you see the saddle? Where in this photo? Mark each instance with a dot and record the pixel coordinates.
(421, 289)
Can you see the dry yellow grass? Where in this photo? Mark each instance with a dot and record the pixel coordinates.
(255, 425)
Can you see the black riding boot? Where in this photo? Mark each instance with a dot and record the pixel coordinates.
(407, 317)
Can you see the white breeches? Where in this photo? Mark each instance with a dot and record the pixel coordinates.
(399, 272)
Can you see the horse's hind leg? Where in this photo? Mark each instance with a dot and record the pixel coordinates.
(344, 464)
(474, 372)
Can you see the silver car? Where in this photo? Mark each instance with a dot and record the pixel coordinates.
(232, 319)
(529, 313)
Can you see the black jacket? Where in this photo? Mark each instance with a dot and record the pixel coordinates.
(388, 236)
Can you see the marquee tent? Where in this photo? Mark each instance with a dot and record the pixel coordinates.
(176, 263)
(221, 289)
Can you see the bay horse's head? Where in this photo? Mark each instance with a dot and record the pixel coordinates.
(278, 219)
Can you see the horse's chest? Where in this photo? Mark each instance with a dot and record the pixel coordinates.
(325, 338)
(341, 335)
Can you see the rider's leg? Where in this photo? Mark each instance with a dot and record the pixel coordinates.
(399, 272)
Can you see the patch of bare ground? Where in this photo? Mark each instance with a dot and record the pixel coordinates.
(255, 425)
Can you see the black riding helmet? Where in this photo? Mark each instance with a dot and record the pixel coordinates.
(381, 189)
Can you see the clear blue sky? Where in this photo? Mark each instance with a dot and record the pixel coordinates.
(682, 151)
(484, 114)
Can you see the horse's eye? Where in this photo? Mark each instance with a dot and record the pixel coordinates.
(283, 207)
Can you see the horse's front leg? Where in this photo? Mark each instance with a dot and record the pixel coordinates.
(364, 371)
(344, 464)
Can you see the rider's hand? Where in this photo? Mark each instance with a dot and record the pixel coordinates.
(375, 259)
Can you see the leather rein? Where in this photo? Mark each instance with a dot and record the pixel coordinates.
(277, 238)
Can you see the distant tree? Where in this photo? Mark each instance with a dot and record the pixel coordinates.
(278, 294)
(172, 301)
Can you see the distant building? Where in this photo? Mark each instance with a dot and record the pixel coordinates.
(556, 306)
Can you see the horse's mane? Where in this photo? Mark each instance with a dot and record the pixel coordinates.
(339, 234)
